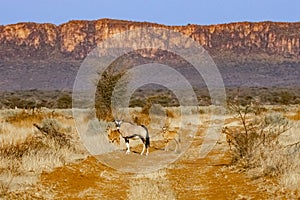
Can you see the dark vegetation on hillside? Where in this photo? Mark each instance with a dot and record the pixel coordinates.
(63, 99)
(35, 99)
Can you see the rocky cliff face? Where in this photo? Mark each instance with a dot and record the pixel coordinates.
(46, 56)
(77, 38)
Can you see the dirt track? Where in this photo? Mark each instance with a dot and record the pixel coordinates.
(187, 178)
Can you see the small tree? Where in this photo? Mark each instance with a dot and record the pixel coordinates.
(105, 88)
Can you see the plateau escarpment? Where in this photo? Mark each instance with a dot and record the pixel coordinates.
(46, 56)
(77, 38)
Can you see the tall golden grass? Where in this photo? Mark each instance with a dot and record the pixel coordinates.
(295, 116)
(33, 142)
(267, 144)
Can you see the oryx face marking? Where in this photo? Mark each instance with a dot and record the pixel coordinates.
(118, 124)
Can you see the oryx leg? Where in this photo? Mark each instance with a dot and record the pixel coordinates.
(167, 146)
(147, 150)
(127, 145)
(143, 149)
(177, 146)
(144, 146)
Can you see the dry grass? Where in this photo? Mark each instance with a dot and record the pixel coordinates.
(296, 116)
(291, 176)
(269, 149)
(267, 145)
(26, 151)
(151, 186)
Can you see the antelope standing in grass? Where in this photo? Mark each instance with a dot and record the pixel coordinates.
(113, 135)
(169, 136)
(131, 131)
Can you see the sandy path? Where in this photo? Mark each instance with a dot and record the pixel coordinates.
(187, 178)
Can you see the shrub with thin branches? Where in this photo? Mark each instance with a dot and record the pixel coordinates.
(259, 142)
(52, 138)
(258, 134)
(51, 129)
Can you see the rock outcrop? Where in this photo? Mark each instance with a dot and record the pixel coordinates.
(77, 38)
(46, 56)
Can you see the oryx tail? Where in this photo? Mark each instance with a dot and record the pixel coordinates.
(147, 142)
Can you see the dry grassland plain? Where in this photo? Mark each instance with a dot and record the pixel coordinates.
(42, 157)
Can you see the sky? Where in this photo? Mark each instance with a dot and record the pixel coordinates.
(169, 12)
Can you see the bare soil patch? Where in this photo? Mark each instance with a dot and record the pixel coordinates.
(187, 178)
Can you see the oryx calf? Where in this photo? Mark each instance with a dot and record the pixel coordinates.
(169, 136)
(113, 135)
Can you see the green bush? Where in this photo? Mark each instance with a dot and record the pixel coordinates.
(105, 88)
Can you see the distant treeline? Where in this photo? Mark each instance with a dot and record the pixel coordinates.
(35, 99)
(63, 99)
